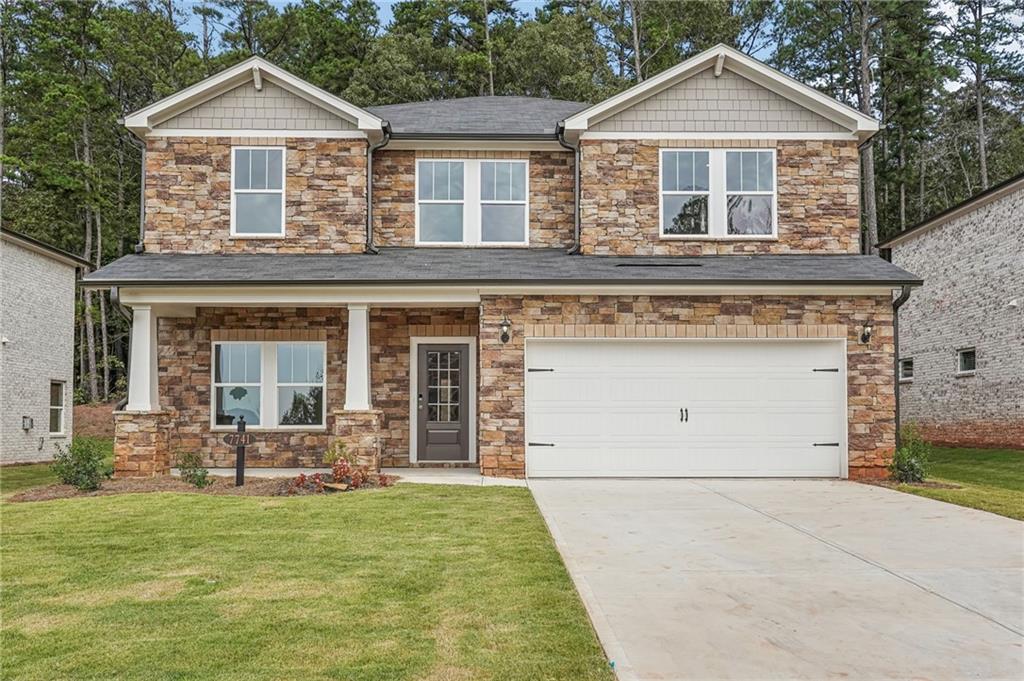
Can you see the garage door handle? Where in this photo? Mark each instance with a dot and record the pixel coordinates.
(826, 444)
(540, 444)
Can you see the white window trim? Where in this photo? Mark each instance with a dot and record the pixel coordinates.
(268, 386)
(472, 222)
(959, 361)
(62, 407)
(235, 234)
(903, 378)
(718, 215)
(414, 343)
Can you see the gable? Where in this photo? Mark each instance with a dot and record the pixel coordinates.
(245, 107)
(728, 103)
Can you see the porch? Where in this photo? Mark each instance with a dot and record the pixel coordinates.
(303, 377)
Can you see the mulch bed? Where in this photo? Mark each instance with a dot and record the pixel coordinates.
(892, 484)
(254, 487)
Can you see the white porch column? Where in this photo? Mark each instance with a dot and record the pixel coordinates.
(143, 391)
(357, 360)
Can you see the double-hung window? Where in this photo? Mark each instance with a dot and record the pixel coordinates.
(56, 407)
(718, 194)
(270, 384)
(472, 202)
(257, 191)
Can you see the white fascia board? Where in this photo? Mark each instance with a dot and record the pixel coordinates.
(746, 66)
(476, 145)
(450, 296)
(213, 132)
(143, 120)
(646, 135)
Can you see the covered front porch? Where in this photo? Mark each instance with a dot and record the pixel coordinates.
(393, 378)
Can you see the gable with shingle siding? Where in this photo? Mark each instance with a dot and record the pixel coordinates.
(246, 108)
(728, 103)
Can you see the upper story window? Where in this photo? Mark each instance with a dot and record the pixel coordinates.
(257, 191)
(966, 361)
(472, 203)
(718, 194)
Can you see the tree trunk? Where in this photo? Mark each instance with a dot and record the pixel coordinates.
(920, 191)
(490, 55)
(979, 109)
(90, 330)
(903, 181)
(104, 337)
(635, 26)
(867, 154)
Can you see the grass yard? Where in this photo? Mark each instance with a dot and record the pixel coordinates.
(18, 477)
(411, 582)
(989, 479)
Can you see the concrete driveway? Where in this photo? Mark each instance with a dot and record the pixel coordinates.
(759, 579)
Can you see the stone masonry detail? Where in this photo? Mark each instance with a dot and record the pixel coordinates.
(188, 196)
(973, 268)
(818, 199)
(870, 398)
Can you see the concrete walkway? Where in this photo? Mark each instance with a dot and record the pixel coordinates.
(782, 579)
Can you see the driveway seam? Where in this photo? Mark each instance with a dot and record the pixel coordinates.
(861, 558)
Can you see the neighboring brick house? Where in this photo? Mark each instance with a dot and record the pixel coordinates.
(666, 283)
(37, 343)
(962, 335)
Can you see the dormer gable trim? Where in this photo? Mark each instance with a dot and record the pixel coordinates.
(256, 70)
(723, 56)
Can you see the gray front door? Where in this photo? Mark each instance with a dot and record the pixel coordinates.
(442, 394)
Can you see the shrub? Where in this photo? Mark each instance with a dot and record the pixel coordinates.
(81, 464)
(191, 469)
(910, 463)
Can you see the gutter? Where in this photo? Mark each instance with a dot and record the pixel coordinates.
(577, 157)
(386, 128)
(896, 305)
(525, 137)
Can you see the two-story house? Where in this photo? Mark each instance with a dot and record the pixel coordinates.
(665, 283)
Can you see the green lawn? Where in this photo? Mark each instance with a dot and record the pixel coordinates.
(412, 582)
(989, 479)
(18, 477)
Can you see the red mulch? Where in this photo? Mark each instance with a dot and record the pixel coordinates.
(254, 487)
(94, 420)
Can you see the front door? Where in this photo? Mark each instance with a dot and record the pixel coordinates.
(442, 392)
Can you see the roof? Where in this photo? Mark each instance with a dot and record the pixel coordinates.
(252, 69)
(993, 193)
(44, 248)
(490, 266)
(478, 116)
(722, 56)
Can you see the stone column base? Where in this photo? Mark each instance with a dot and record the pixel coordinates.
(141, 446)
(360, 432)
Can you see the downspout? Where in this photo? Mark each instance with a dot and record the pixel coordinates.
(896, 305)
(140, 144)
(577, 155)
(115, 299)
(386, 128)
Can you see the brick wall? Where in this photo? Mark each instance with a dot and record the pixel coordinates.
(37, 322)
(550, 194)
(818, 199)
(972, 269)
(188, 196)
(869, 368)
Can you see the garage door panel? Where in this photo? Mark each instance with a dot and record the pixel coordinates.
(752, 408)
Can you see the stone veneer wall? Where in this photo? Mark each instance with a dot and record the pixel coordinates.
(188, 196)
(142, 446)
(818, 199)
(869, 368)
(550, 194)
(185, 376)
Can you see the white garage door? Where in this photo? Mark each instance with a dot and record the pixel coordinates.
(685, 408)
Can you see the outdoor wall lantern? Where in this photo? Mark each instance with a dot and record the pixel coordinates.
(865, 334)
(506, 329)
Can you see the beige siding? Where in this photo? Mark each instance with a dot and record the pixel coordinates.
(245, 107)
(729, 103)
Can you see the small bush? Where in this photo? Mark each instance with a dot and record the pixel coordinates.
(191, 469)
(910, 463)
(81, 464)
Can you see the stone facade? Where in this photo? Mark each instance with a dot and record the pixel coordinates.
(37, 323)
(550, 194)
(869, 367)
(142, 446)
(973, 270)
(188, 196)
(818, 199)
(360, 432)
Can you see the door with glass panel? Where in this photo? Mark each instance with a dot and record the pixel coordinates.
(442, 420)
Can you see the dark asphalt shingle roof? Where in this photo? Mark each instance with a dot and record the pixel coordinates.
(489, 266)
(478, 116)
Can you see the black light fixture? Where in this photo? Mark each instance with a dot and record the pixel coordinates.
(865, 334)
(506, 328)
